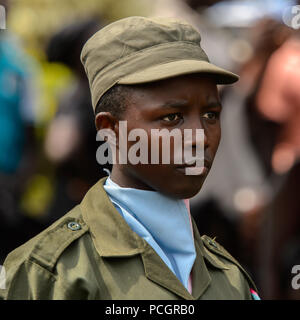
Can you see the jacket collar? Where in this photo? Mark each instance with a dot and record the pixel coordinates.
(111, 234)
(113, 237)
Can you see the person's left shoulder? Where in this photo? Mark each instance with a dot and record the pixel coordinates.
(219, 252)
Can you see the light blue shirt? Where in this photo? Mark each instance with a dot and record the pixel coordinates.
(162, 221)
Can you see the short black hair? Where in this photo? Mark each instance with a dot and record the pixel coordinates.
(114, 100)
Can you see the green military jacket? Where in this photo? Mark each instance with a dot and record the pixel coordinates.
(91, 253)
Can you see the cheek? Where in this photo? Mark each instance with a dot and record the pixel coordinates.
(214, 137)
(141, 145)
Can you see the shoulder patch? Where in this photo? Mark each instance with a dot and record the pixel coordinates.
(55, 239)
(216, 248)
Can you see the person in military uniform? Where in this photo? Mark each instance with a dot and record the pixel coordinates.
(132, 236)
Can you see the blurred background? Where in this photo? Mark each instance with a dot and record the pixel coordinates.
(47, 135)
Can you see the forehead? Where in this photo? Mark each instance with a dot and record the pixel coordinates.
(191, 88)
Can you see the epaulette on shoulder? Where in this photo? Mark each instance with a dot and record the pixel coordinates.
(213, 246)
(56, 238)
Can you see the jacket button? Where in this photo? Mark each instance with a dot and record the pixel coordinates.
(74, 226)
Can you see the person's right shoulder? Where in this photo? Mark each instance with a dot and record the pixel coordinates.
(30, 269)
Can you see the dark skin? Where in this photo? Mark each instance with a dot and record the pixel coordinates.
(183, 102)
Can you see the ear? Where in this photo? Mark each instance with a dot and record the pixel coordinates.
(105, 120)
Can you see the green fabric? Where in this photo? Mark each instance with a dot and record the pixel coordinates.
(105, 259)
(138, 50)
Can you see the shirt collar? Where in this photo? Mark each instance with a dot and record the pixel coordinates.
(156, 218)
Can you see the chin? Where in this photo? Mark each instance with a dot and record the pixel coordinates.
(182, 192)
(172, 183)
(186, 194)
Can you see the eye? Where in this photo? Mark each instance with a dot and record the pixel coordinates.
(172, 117)
(211, 116)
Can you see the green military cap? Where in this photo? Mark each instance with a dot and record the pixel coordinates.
(138, 50)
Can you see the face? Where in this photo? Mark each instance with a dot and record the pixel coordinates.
(185, 102)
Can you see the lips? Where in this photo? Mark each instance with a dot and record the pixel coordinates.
(192, 163)
(189, 168)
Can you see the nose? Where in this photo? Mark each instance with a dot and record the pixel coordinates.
(198, 135)
(195, 138)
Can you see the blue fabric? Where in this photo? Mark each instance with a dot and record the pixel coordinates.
(162, 221)
(13, 79)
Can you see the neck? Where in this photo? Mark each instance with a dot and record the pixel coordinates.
(125, 179)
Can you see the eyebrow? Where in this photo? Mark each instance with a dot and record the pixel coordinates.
(184, 103)
(212, 105)
(174, 104)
